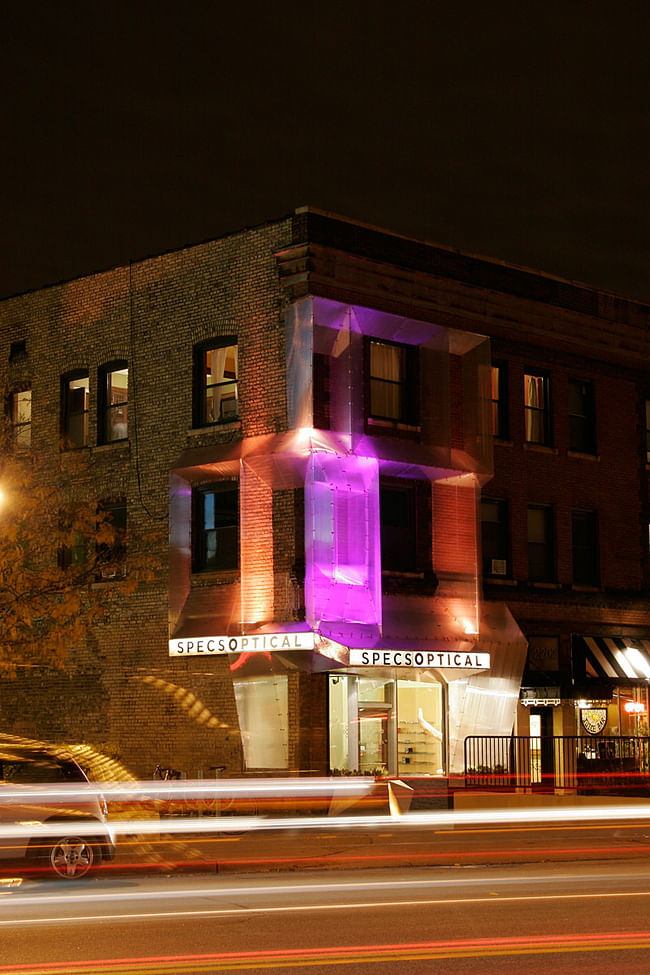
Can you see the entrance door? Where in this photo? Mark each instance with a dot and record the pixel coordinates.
(373, 738)
(542, 759)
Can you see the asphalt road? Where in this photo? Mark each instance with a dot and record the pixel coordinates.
(569, 916)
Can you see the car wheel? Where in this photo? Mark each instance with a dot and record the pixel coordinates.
(71, 857)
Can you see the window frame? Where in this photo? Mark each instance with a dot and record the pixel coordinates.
(20, 427)
(582, 425)
(590, 557)
(67, 414)
(545, 412)
(498, 548)
(200, 558)
(500, 414)
(200, 398)
(548, 546)
(404, 544)
(105, 409)
(115, 554)
(407, 419)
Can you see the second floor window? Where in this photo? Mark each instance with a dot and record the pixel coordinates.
(494, 537)
(541, 548)
(20, 416)
(582, 428)
(215, 527)
(73, 553)
(499, 401)
(392, 379)
(215, 382)
(586, 562)
(537, 408)
(111, 555)
(397, 507)
(75, 393)
(113, 395)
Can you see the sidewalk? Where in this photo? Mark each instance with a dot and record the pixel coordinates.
(342, 847)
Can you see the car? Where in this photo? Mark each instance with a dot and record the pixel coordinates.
(51, 818)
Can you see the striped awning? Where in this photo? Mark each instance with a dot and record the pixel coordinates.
(612, 658)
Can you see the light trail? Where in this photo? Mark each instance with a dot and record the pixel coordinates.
(584, 815)
(192, 964)
(493, 898)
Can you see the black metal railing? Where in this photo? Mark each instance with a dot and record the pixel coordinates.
(587, 764)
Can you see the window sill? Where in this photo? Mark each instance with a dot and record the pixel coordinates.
(498, 442)
(113, 445)
(227, 426)
(392, 428)
(578, 455)
(544, 585)
(214, 577)
(540, 448)
(498, 581)
(395, 573)
(577, 587)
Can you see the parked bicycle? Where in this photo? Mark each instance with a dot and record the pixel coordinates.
(166, 773)
(171, 804)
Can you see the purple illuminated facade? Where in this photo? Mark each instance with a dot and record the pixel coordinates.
(400, 483)
(387, 444)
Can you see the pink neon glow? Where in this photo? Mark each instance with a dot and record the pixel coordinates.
(343, 572)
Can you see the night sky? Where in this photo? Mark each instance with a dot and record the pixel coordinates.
(519, 131)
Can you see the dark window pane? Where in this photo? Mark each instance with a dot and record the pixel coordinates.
(495, 540)
(586, 562)
(216, 528)
(582, 433)
(111, 557)
(397, 517)
(75, 412)
(541, 554)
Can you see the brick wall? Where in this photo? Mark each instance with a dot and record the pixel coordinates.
(121, 689)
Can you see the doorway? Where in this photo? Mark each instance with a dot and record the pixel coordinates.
(542, 758)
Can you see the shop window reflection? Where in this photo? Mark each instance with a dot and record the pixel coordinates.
(386, 726)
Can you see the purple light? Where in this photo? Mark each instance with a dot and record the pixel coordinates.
(343, 572)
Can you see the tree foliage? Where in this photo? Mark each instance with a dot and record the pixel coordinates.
(64, 556)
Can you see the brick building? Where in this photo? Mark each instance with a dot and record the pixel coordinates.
(386, 472)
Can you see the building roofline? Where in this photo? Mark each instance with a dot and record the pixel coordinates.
(148, 257)
(368, 240)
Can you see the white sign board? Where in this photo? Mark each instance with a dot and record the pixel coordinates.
(459, 660)
(252, 643)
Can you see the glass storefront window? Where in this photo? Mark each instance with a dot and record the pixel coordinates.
(384, 726)
(263, 708)
(627, 713)
(420, 728)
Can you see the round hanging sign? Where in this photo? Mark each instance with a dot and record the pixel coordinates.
(593, 719)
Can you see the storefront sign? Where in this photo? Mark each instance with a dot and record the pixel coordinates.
(593, 720)
(634, 707)
(252, 643)
(543, 653)
(420, 658)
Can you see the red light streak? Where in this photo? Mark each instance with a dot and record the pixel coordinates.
(342, 955)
